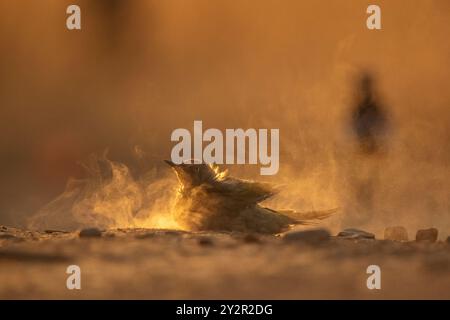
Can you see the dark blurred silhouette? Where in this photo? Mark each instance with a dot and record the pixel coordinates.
(369, 120)
(369, 124)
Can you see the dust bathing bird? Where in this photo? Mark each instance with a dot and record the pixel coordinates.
(208, 199)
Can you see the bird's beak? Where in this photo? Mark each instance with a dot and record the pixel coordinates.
(170, 163)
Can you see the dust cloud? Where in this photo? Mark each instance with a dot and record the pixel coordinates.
(139, 69)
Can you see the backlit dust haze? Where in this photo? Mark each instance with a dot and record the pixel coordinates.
(140, 69)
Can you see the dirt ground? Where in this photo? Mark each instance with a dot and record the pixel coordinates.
(164, 264)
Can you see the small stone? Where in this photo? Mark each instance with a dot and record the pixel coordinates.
(396, 233)
(148, 235)
(313, 236)
(427, 235)
(90, 233)
(50, 231)
(157, 234)
(109, 235)
(251, 238)
(171, 233)
(205, 241)
(7, 236)
(355, 234)
(3, 228)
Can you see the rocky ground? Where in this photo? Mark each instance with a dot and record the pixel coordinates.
(164, 264)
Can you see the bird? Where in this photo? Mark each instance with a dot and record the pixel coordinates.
(210, 200)
(369, 119)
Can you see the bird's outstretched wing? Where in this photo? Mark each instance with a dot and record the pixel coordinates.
(246, 191)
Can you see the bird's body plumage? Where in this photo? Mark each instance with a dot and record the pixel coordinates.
(210, 200)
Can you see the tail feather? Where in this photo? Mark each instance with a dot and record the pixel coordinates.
(308, 217)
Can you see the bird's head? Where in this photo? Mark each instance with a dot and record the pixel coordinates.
(194, 174)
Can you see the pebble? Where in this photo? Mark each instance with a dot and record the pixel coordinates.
(205, 241)
(156, 234)
(313, 236)
(352, 233)
(50, 231)
(90, 233)
(7, 236)
(251, 238)
(396, 233)
(427, 235)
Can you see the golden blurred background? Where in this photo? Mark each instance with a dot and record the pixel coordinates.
(138, 69)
